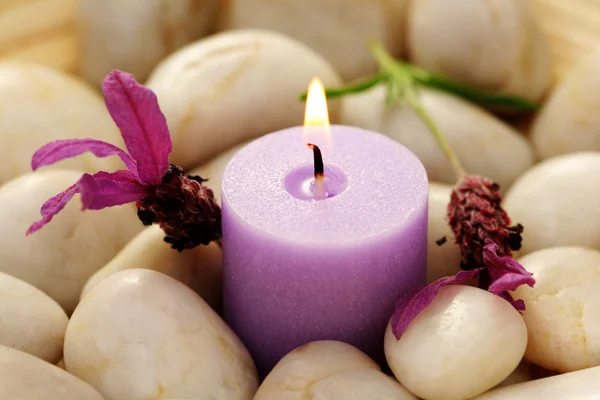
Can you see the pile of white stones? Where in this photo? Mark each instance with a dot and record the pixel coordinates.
(135, 320)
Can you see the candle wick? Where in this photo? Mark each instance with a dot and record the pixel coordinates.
(319, 171)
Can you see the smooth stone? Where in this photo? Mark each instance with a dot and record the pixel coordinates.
(521, 374)
(199, 268)
(580, 385)
(213, 170)
(25, 377)
(442, 260)
(140, 335)
(339, 30)
(59, 258)
(232, 87)
(38, 105)
(61, 364)
(495, 45)
(329, 370)
(30, 321)
(484, 144)
(569, 121)
(561, 314)
(135, 35)
(556, 202)
(464, 343)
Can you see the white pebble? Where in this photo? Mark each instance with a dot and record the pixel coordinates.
(30, 321)
(561, 314)
(464, 343)
(59, 258)
(442, 260)
(134, 35)
(580, 385)
(199, 268)
(25, 377)
(232, 87)
(329, 370)
(140, 334)
(339, 30)
(484, 144)
(495, 45)
(40, 105)
(521, 374)
(569, 121)
(556, 202)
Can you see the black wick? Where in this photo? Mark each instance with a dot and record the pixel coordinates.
(319, 168)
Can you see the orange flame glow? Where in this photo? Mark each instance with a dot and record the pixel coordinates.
(316, 116)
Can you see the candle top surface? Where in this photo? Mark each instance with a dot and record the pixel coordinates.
(378, 185)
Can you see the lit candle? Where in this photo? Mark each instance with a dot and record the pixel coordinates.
(320, 245)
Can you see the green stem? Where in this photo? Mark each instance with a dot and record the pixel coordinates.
(355, 87)
(401, 76)
(435, 81)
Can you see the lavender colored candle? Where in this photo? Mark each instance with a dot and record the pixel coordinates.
(298, 268)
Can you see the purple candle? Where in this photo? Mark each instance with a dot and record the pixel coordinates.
(301, 264)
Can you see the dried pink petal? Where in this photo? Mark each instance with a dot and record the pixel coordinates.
(98, 191)
(505, 272)
(53, 206)
(61, 149)
(135, 110)
(104, 189)
(408, 307)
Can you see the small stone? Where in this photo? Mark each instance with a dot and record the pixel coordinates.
(483, 143)
(339, 30)
(60, 258)
(39, 105)
(462, 344)
(329, 370)
(232, 87)
(569, 121)
(25, 377)
(521, 374)
(580, 385)
(30, 321)
(561, 315)
(556, 202)
(199, 268)
(136, 35)
(442, 259)
(492, 45)
(140, 335)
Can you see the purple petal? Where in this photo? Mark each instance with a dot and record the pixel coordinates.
(98, 191)
(506, 273)
(52, 207)
(104, 189)
(62, 149)
(135, 110)
(407, 309)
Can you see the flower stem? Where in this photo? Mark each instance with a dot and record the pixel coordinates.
(439, 82)
(401, 86)
(355, 87)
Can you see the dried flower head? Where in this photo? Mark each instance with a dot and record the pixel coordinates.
(184, 208)
(481, 229)
(475, 215)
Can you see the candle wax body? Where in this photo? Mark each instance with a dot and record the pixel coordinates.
(298, 269)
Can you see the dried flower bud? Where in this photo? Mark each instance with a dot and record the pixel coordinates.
(184, 208)
(475, 214)
(480, 226)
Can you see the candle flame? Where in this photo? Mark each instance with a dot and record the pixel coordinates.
(316, 115)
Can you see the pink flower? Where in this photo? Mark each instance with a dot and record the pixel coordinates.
(480, 226)
(184, 208)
